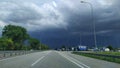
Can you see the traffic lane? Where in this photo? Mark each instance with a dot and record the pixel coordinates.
(93, 63)
(73, 60)
(24, 61)
(54, 60)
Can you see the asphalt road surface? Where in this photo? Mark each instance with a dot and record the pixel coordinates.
(54, 59)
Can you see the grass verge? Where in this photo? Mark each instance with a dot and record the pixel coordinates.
(110, 53)
(116, 60)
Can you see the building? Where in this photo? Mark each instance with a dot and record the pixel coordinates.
(104, 49)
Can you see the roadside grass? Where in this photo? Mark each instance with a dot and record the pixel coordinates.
(116, 60)
(110, 53)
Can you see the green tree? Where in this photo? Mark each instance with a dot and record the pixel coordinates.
(110, 47)
(63, 47)
(44, 47)
(34, 43)
(10, 45)
(18, 34)
(6, 44)
(26, 47)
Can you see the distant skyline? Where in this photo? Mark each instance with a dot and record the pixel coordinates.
(61, 22)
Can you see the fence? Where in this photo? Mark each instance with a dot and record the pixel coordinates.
(6, 54)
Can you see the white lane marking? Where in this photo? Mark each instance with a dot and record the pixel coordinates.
(37, 61)
(40, 59)
(80, 62)
(72, 61)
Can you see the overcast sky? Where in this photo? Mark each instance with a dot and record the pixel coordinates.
(62, 22)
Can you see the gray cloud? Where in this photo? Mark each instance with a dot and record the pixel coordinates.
(30, 15)
(68, 18)
(60, 14)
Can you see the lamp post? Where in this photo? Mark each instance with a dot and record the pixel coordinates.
(94, 27)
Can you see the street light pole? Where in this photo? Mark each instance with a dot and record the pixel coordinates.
(94, 27)
(80, 40)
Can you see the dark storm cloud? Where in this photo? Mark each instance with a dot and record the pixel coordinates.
(106, 16)
(60, 19)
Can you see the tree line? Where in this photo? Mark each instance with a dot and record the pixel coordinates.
(16, 38)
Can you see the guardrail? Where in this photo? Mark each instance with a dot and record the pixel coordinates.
(103, 55)
(6, 54)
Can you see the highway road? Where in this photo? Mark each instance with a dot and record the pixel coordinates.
(54, 59)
